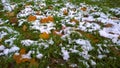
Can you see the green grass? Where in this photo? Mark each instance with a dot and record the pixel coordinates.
(52, 55)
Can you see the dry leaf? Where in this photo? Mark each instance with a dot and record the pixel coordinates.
(50, 18)
(47, 19)
(24, 28)
(23, 51)
(83, 8)
(38, 12)
(44, 35)
(44, 20)
(108, 25)
(74, 20)
(10, 14)
(65, 12)
(13, 20)
(17, 58)
(31, 18)
(33, 63)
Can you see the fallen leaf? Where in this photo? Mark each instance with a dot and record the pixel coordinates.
(108, 25)
(24, 28)
(31, 18)
(65, 12)
(50, 18)
(33, 63)
(17, 58)
(83, 8)
(10, 14)
(44, 35)
(74, 20)
(22, 51)
(13, 20)
(44, 20)
(38, 12)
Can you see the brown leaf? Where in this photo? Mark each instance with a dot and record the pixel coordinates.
(65, 12)
(108, 25)
(83, 8)
(24, 28)
(38, 12)
(10, 14)
(115, 18)
(74, 20)
(13, 20)
(22, 51)
(50, 7)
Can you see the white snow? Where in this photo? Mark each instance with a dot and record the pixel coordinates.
(26, 56)
(2, 47)
(85, 44)
(2, 34)
(27, 42)
(86, 47)
(93, 62)
(10, 41)
(10, 30)
(21, 21)
(46, 45)
(1, 21)
(6, 51)
(39, 56)
(108, 35)
(25, 12)
(51, 42)
(14, 49)
(73, 65)
(87, 24)
(6, 5)
(101, 56)
(65, 54)
(43, 27)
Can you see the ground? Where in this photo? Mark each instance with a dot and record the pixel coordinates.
(60, 34)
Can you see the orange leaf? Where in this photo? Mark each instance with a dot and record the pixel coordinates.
(44, 20)
(17, 58)
(74, 20)
(23, 51)
(50, 18)
(44, 35)
(25, 60)
(65, 12)
(83, 8)
(31, 18)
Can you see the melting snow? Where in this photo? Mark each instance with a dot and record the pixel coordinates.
(65, 54)
(2, 34)
(27, 42)
(39, 56)
(2, 47)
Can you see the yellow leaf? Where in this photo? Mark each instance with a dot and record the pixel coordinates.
(44, 35)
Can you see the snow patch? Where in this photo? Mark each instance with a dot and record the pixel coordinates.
(27, 42)
(65, 54)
